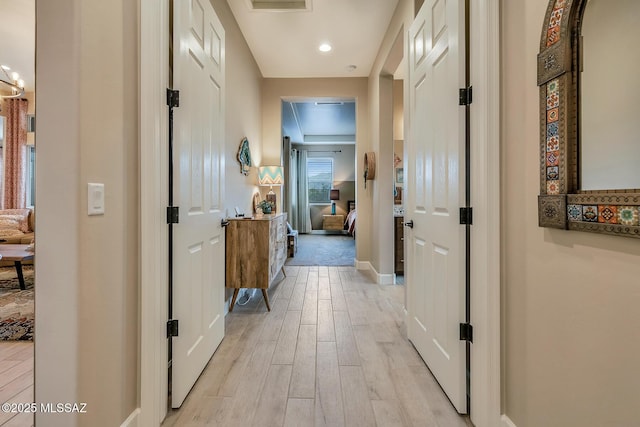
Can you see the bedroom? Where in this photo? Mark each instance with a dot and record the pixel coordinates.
(319, 155)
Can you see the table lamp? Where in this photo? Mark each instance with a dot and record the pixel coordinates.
(270, 175)
(334, 195)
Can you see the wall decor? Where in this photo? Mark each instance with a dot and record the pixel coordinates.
(244, 156)
(369, 167)
(562, 203)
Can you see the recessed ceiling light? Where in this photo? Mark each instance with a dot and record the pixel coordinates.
(324, 47)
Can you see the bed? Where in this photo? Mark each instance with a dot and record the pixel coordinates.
(350, 222)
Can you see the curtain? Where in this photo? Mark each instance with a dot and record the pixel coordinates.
(303, 213)
(292, 188)
(286, 169)
(15, 154)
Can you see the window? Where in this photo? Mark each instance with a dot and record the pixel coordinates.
(320, 179)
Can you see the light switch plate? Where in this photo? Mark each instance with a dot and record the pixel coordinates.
(95, 198)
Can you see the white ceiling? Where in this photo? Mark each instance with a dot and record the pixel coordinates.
(320, 121)
(285, 42)
(18, 38)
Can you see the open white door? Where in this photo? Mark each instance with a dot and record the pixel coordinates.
(198, 247)
(436, 147)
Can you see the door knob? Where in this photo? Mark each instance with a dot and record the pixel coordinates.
(409, 224)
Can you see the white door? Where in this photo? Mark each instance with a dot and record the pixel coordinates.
(436, 247)
(198, 248)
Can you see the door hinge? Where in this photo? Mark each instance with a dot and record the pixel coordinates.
(466, 216)
(173, 214)
(465, 96)
(466, 332)
(172, 328)
(173, 98)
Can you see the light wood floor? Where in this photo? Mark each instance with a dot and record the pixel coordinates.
(332, 352)
(16, 380)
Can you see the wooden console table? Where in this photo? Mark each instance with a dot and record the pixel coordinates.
(256, 250)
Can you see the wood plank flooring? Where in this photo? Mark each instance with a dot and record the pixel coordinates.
(16, 380)
(332, 352)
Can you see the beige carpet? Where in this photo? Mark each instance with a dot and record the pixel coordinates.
(16, 305)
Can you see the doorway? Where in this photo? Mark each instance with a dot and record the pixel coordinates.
(319, 149)
(17, 200)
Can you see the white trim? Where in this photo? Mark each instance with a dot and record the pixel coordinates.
(132, 420)
(367, 268)
(379, 278)
(362, 265)
(485, 234)
(382, 279)
(153, 81)
(506, 422)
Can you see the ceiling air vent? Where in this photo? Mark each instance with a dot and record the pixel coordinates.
(282, 5)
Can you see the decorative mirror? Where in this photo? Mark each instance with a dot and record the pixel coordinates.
(587, 117)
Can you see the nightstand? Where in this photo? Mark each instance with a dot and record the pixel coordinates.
(333, 222)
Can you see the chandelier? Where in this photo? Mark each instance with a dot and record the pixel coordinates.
(12, 83)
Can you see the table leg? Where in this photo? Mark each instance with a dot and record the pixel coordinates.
(266, 299)
(233, 300)
(20, 276)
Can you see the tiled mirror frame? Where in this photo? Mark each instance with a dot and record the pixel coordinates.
(561, 204)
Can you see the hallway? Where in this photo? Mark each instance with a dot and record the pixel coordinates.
(332, 352)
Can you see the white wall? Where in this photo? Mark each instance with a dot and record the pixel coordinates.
(243, 113)
(87, 267)
(381, 88)
(57, 339)
(570, 299)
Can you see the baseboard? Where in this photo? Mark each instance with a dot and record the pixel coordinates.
(380, 279)
(132, 420)
(506, 422)
(362, 265)
(385, 279)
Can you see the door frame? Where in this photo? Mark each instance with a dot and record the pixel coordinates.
(485, 199)
(485, 265)
(153, 121)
